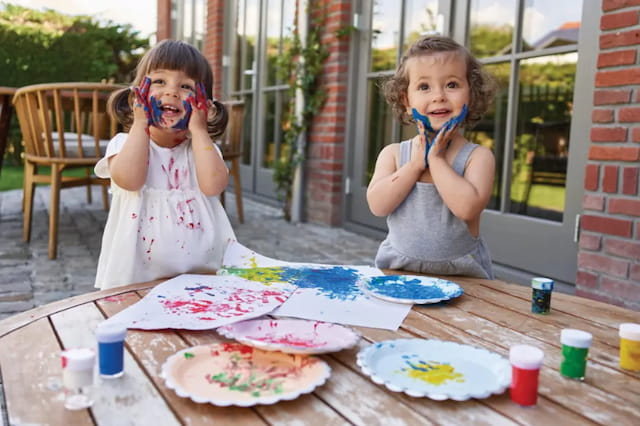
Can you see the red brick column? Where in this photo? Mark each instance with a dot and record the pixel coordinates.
(164, 20)
(609, 250)
(214, 42)
(326, 139)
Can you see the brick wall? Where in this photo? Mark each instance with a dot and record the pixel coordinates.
(164, 20)
(214, 42)
(325, 155)
(609, 250)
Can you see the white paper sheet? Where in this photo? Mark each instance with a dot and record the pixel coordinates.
(325, 292)
(200, 302)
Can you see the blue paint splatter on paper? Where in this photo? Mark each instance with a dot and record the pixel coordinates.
(336, 282)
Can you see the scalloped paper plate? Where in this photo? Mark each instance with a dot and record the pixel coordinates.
(436, 369)
(410, 288)
(295, 336)
(235, 374)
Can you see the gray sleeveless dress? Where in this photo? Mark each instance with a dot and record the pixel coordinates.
(424, 236)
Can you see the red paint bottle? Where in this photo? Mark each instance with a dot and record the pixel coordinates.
(525, 368)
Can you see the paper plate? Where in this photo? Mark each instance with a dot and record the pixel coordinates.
(410, 288)
(436, 369)
(295, 336)
(235, 374)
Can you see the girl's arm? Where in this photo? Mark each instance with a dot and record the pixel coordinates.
(389, 186)
(211, 170)
(466, 196)
(129, 167)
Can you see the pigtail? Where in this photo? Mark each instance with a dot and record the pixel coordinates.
(119, 107)
(217, 122)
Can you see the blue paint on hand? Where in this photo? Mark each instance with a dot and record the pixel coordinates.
(455, 121)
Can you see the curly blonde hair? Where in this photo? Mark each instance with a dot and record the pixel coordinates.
(482, 85)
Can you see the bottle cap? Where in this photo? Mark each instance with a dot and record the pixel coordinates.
(526, 357)
(110, 332)
(575, 338)
(630, 331)
(78, 359)
(540, 283)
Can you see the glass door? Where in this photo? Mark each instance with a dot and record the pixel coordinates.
(387, 29)
(261, 30)
(536, 50)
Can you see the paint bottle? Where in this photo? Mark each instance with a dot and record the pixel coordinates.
(110, 337)
(630, 346)
(541, 289)
(525, 369)
(575, 349)
(77, 377)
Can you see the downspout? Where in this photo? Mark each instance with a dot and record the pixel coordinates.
(297, 191)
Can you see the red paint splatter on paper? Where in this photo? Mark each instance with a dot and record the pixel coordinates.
(238, 303)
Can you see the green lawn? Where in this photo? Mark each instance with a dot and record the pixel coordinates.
(11, 176)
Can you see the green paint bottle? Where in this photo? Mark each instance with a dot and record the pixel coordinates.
(575, 350)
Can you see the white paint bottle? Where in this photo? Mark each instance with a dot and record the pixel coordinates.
(77, 377)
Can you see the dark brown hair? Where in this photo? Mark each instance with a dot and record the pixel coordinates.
(482, 86)
(171, 55)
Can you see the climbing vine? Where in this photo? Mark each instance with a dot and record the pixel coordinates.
(301, 65)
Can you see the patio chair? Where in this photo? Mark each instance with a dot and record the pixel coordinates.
(231, 147)
(64, 126)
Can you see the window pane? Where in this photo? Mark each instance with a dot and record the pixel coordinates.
(274, 28)
(385, 35)
(550, 23)
(247, 147)
(380, 120)
(420, 18)
(270, 142)
(491, 24)
(539, 168)
(250, 40)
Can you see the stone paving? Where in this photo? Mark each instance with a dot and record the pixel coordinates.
(29, 279)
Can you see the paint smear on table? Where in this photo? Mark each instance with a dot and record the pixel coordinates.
(197, 302)
(324, 292)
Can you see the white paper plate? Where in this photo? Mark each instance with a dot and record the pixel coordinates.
(410, 288)
(235, 374)
(436, 369)
(296, 336)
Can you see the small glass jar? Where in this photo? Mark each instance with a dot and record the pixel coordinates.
(77, 377)
(110, 338)
(541, 289)
(575, 350)
(630, 346)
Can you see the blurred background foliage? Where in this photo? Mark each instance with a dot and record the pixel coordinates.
(46, 46)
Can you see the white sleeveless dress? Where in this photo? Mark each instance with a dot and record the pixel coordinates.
(166, 228)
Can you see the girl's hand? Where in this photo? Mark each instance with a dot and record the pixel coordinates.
(200, 107)
(421, 147)
(442, 139)
(146, 108)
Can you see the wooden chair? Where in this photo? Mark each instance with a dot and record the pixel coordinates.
(64, 126)
(231, 147)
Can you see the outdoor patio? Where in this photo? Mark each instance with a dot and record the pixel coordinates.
(29, 278)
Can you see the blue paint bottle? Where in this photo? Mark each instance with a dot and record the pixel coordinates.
(110, 337)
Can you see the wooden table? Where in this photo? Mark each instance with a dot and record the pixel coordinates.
(491, 314)
(6, 110)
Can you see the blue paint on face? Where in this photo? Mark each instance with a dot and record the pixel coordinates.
(458, 119)
(183, 124)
